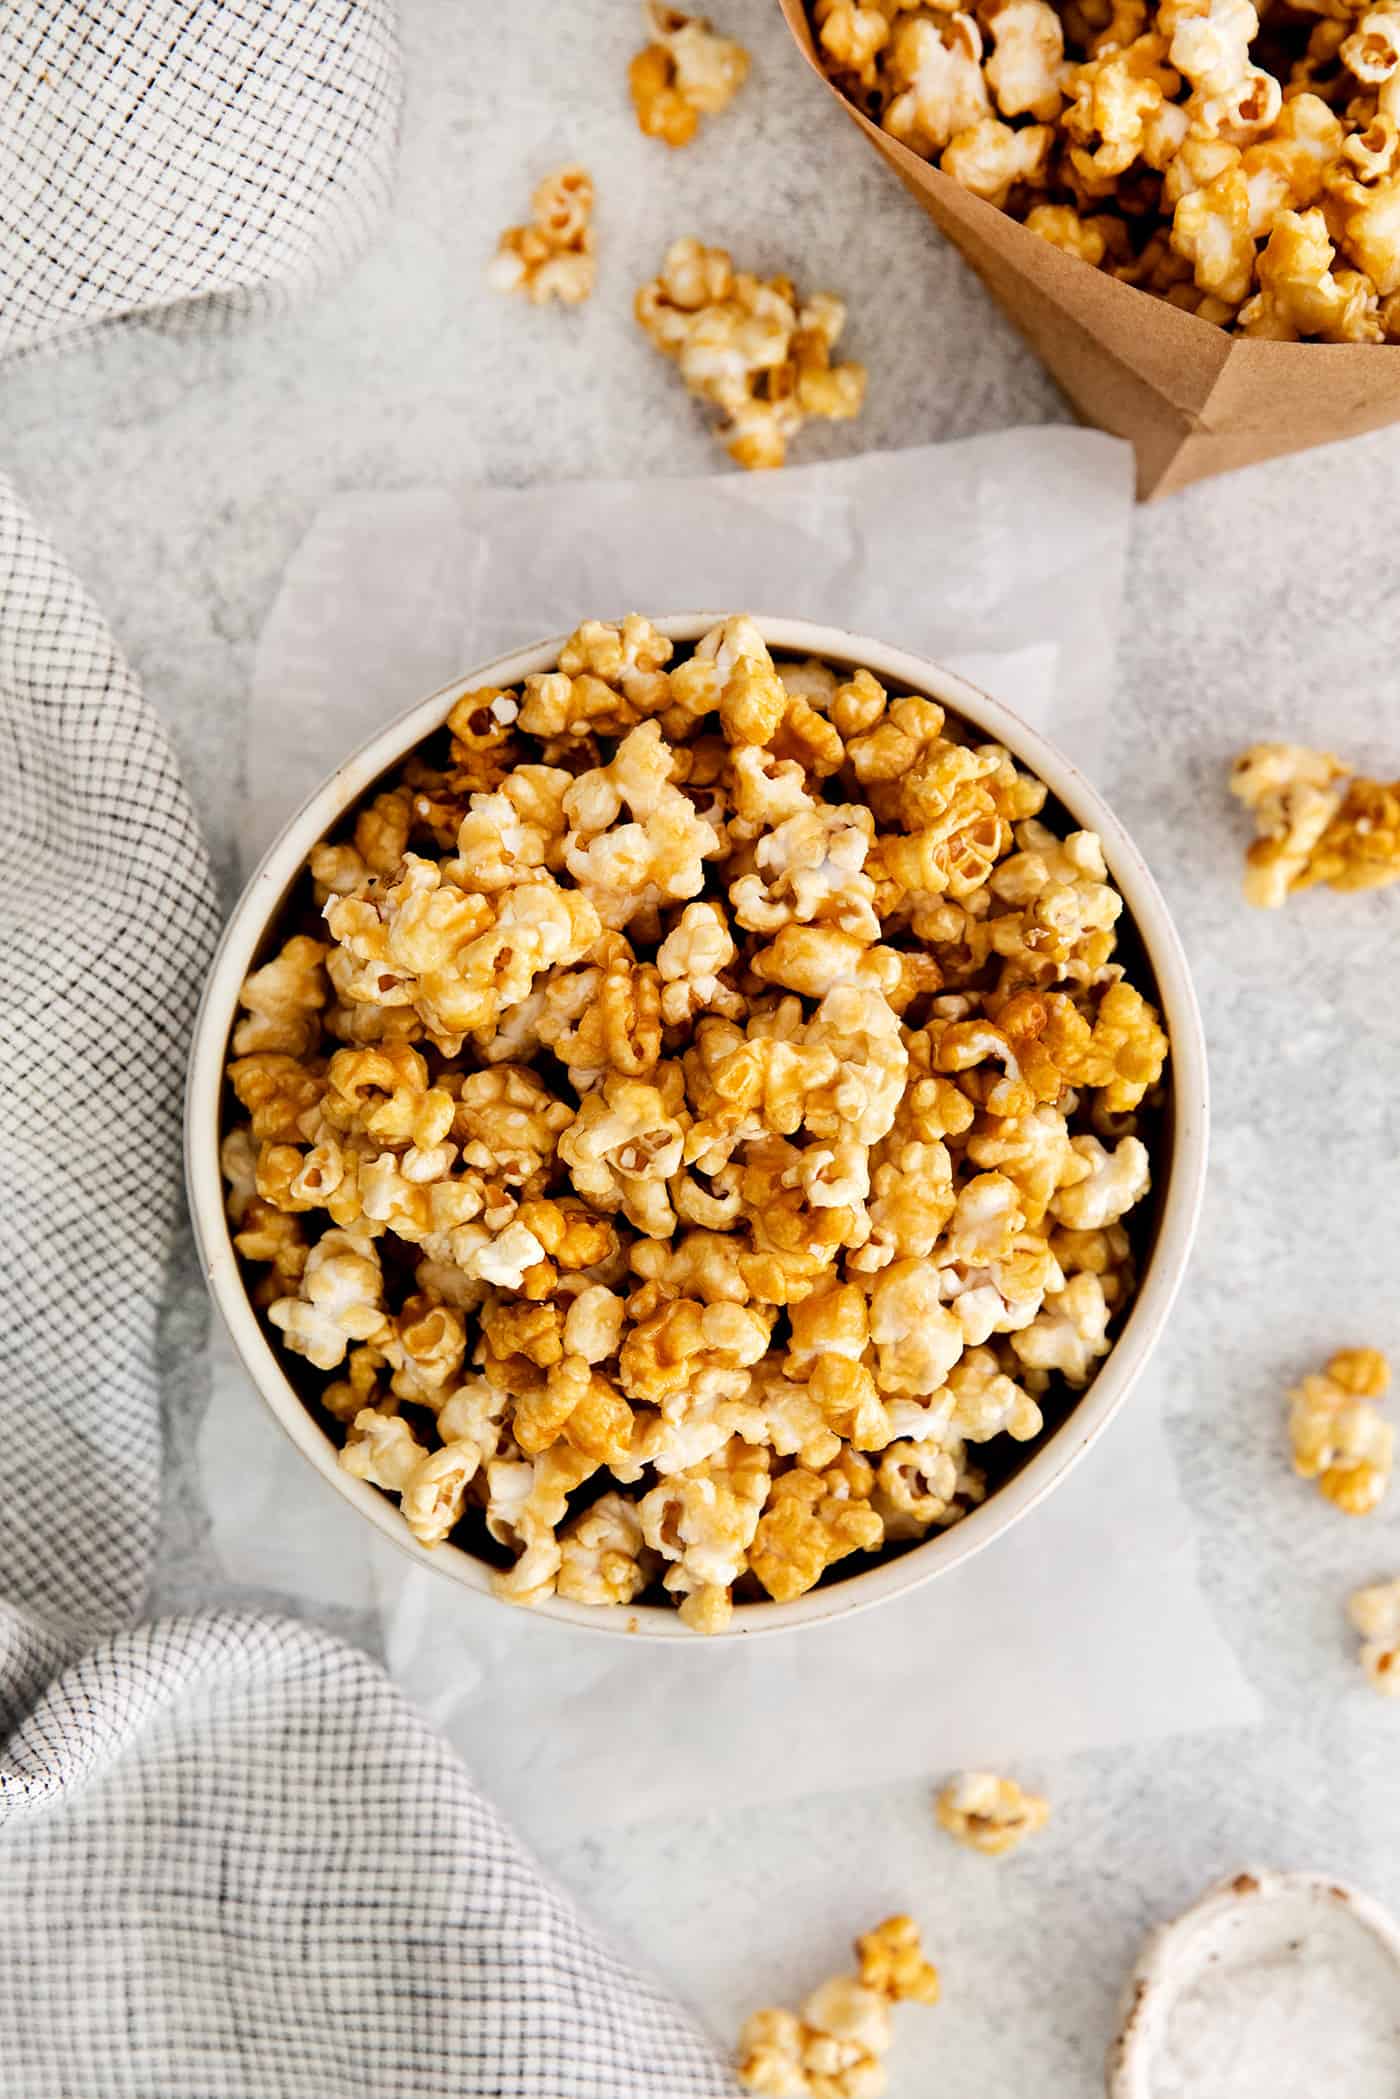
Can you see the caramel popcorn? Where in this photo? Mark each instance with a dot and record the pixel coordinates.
(1248, 174)
(751, 347)
(552, 257)
(686, 72)
(834, 2048)
(989, 1814)
(691, 1119)
(1310, 829)
(1375, 1612)
(1338, 1436)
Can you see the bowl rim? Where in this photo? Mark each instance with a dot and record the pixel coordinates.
(1121, 1368)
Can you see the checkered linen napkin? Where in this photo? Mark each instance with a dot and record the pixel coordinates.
(234, 1864)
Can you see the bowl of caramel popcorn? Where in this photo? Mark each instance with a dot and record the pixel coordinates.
(695, 1127)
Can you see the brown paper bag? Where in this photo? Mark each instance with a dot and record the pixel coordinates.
(1192, 400)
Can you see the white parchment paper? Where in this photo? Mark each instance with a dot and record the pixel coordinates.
(1001, 556)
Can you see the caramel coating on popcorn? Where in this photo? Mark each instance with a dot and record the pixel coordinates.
(1337, 1433)
(701, 1120)
(989, 1814)
(687, 71)
(1309, 828)
(834, 2048)
(751, 347)
(552, 257)
(1246, 170)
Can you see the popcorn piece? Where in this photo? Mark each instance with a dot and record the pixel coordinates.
(936, 68)
(989, 1814)
(340, 1299)
(508, 1125)
(1211, 230)
(1026, 69)
(1114, 99)
(602, 1557)
(383, 1092)
(1366, 218)
(621, 1148)
(1300, 295)
(689, 963)
(1338, 1436)
(703, 1522)
(425, 1343)
(987, 1403)
(1113, 1182)
(892, 1961)
(693, 1347)
(1289, 792)
(687, 71)
(749, 347)
(1087, 238)
(1375, 1612)
(525, 1505)
(553, 257)
(852, 37)
(811, 1520)
(283, 1000)
(625, 868)
(990, 158)
(1070, 1334)
(834, 2048)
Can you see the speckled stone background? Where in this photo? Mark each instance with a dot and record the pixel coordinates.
(178, 476)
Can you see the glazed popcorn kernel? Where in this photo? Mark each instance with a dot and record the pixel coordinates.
(1251, 177)
(1310, 829)
(552, 257)
(834, 2047)
(689, 1128)
(687, 71)
(754, 349)
(1337, 1433)
(989, 1814)
(1375, 1612)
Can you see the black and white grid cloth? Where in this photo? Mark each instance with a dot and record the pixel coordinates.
(234, 1864)
(154, 152)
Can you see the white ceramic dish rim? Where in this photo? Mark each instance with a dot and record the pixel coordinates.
(1122, 1367)
(1164, 1966)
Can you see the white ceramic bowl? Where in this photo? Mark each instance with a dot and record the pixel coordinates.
(1178, 1177)
(1252, 1942)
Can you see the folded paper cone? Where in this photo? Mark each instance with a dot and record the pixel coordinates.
(1190, 399)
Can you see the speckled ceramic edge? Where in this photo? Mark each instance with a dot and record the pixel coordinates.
(1157, 1290)
(1171, 1953)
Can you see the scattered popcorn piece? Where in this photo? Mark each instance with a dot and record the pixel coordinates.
(751, 347)
(834, 2048)
(709, 1121)
(989, 1814)
(687, 71)
(1310, 829)
(1338, 1436)
(1375, 1612)
(553, 257)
